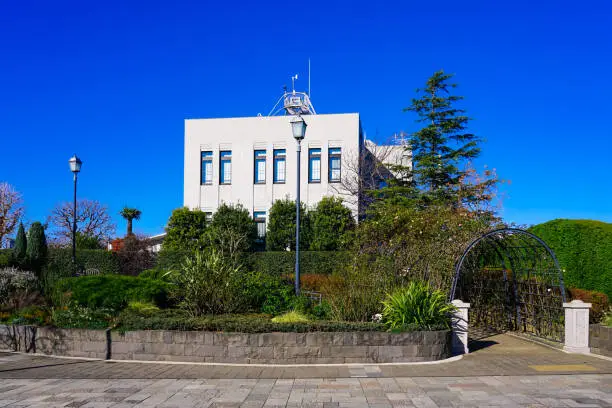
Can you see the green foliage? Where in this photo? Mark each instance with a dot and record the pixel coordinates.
(36, 247)
(142, 308)
(407, 243)
(261, 292)
(80, 317)
(175, 320)
(155, 273)
(6, 256)
(416, 304)
(20, 256)
(186, 230)
(207, 283)
(31, 315)
(311, 262)
(291, 317)
(584, 251)
(331, 222)
(112, 292)
(87, 241)
(607, 319)
(232, 230)
(281, 226)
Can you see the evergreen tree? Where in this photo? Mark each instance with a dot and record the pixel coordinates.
(442, 145)
(37, 247)
(19, 255)
(330, 221)
(281, 226)
(186, 230)
(232, 229)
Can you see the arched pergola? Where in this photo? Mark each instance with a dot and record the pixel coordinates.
(513, 282)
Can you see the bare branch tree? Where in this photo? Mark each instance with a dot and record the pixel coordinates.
(11, 210)
(365, 170)
(92, 220)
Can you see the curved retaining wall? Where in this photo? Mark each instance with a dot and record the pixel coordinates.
(219, 347)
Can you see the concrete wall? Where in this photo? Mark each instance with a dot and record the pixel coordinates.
(276, 348)
(600, 339)
(244, 135)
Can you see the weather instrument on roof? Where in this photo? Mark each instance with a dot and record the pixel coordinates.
(293, 103)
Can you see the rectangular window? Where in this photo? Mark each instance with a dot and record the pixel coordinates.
(260, 167)
(260, 220)
(225, 164)
(335, 155)
(314, 165)
(208, 216)
(280, 156)
(207, 168)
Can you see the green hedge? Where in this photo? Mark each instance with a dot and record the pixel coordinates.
(176, 320)
(5, 257)
(584, 251)
(106, 262)
(275, 262)
(112, 291)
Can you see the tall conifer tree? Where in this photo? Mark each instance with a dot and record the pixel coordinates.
(443, 144)
(20, 248)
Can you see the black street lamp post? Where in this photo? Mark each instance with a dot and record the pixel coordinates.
(75, 168)
(298, 126)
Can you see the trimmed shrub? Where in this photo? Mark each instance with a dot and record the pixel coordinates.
(36, 250)
(281, 226)
(19, 255)
(112, 292)
(311, 262)
(80, 317)
(291, 317)
(105, 262)
(186, 230)
(584, 251)
(5, 257)
(331, 223)
(177, 320)
(232, 230)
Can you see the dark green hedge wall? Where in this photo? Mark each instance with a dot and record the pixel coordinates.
(275, 263)
(105, 262)
(584, 250)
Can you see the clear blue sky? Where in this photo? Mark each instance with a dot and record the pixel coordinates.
(113, 82)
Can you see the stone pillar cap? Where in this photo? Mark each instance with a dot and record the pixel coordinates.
(576, 304)
(460, 303)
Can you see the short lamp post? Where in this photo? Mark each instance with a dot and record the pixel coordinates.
(298, 126)
(75, 168)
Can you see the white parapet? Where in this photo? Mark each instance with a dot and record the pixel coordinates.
(577, 327)
(459, 323)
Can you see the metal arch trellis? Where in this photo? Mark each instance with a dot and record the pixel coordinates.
(513, 282)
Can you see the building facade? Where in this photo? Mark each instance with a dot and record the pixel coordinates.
(252, 161)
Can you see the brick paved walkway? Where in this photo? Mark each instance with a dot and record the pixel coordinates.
(507, 372)
(499, 355)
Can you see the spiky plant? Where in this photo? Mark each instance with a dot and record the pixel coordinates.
(416, 305)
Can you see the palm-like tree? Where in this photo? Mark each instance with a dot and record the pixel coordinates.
(130, 214)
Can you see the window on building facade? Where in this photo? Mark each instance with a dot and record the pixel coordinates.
(260, 167)
(280, 156)
(208, 216)
(335, 155)
(314, 165)
(225, 164)
(260, 220)
(207, 168)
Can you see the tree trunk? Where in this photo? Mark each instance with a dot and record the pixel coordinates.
(129, 227)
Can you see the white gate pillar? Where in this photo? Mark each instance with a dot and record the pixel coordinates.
(577, 327)
(459, 323)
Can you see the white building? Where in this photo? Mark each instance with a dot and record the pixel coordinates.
(252, 160)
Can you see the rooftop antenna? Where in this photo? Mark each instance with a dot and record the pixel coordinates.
(293, 79)
(309, 78)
